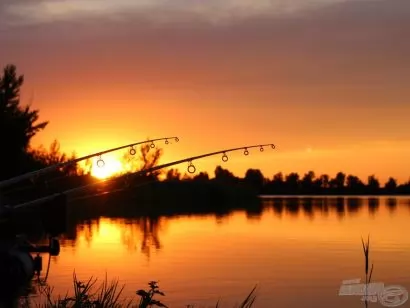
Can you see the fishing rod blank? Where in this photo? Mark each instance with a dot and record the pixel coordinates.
(100, 161)
(191, 169)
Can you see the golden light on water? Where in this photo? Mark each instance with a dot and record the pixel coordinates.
(237, 250)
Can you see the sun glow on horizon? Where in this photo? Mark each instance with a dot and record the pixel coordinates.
(109, 166)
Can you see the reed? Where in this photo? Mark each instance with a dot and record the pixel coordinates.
(368, 275)
(366, 250)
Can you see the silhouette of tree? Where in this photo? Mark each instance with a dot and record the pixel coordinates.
(202, 176)
(404, 188)
(292, 182)
(53, 156)
(255, 179)
(307, 182)
(354, 184)
(278, 178)
(87, 167)
(148, 157)
(18, 125)
(373, 185)
(224, 176)
(338, 183)
(173, 175)
(325, 181)
(276, 186)
(390, 186)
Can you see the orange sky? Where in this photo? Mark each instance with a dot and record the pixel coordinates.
(327, 82)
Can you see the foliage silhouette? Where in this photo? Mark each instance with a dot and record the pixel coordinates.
(293, 184)
(148, 157)
(107, 295)
(18, 125)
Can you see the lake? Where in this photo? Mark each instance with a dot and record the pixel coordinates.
(297, 250)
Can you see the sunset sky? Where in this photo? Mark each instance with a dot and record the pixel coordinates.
(327, 81)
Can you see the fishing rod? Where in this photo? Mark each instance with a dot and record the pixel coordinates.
(100, 161)
(191, 169)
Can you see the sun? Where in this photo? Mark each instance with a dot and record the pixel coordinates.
(106, 168)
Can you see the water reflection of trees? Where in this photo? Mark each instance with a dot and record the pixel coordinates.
(142, 234)
(311, 206)
(136, 234)
(374, 204)
(254, 211)
(392, 204)
(76, 229)
(221, 218)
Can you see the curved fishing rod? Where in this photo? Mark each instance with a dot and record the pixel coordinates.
(100, 161)
(191, 169)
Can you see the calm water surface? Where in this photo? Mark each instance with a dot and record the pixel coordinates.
(298, 251)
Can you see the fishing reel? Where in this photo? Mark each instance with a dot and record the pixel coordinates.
(53, 249)
(18, 266)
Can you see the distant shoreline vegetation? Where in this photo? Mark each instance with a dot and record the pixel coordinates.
(203, 191)
(19, 124)
(294, 184)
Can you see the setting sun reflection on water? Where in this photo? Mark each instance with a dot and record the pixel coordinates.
(198, 259)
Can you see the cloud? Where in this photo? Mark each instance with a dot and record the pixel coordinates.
(349, 51)
(213, 11)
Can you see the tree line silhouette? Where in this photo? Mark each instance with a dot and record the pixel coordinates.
(294, 184)
(19, 124)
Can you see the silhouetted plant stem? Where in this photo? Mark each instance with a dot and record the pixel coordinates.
(366, 250)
